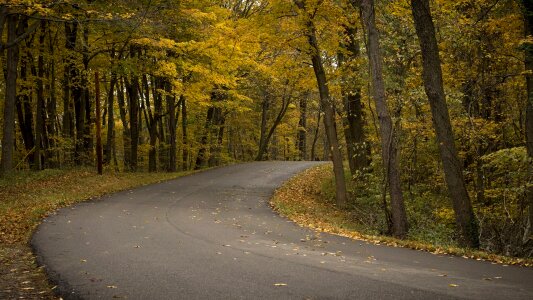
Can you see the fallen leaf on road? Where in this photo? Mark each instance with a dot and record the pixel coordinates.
(453, 285)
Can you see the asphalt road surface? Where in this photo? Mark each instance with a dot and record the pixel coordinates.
(212, 235)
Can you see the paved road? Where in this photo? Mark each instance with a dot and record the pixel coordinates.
(212, 236)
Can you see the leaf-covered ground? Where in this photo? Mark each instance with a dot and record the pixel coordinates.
(26, 198)
(303, 200)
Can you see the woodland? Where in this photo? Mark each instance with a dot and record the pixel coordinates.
(425, 107)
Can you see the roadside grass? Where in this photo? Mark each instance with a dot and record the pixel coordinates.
(308, 200)
(28, 197)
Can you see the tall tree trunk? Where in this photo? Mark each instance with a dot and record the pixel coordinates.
(8, 137)
(302, 128)
(151, 119)
(185, 137)
(314, 155)
(126, 134)
(201, 157)
(24, 98)
(329, 115)
(528, 18)
(388, 139)
(52, 122)
(356, 143)
(40, 116)
(172, 123)
(453, 171)
(133, 110)
(88, 143)
(110, 118)
(265, 105)
(99, 156)
(68, 76)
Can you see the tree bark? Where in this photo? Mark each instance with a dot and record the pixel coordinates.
(354, 122)
(126, 134)
(110, 118)
(99, 156)
(433, 84)
(172, 123)
(528, 26)
(185, 137)
(40, 115)
(327, 105)
(8, 137)
(389, 151)
(302, 129)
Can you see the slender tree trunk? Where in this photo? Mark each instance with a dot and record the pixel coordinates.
(110, 118)
(185, 138)
(201, 157)
(68, 75)
(453, 172)
(24, 98)
(172, 123)
(40, 116)
(8, 137)
(314, 156)
(528, 18)
(99, 156)
(388, 139)
(52, 123)
(265, 105)
(88, 143)
(329, 115)
(133, 106)
(302, 128)
(356, 143)
(126, 133)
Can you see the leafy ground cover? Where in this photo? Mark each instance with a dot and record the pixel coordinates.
(308, 200)
(26, 198)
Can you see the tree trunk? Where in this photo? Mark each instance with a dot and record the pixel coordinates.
(389, 151)
(99, 158)
(88, 143)
(356, 143)
(110, 118)
(133, 108)
(314, 155)
(201, 157)
(432, 75)
(8, 137)
(40, 116)
(126, 134)
(302, 128)
(528, 18)
(329, 115)
(185, 138)
(172, 123)
(24, 98)
(68, 75)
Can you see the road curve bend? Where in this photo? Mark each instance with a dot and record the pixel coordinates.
(212, 235)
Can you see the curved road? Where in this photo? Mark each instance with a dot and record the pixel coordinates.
(212, 235)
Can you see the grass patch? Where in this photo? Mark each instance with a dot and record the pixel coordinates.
(28, 197)
(308, 200)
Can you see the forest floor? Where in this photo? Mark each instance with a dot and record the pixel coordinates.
(27, 197)
(308, 200)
